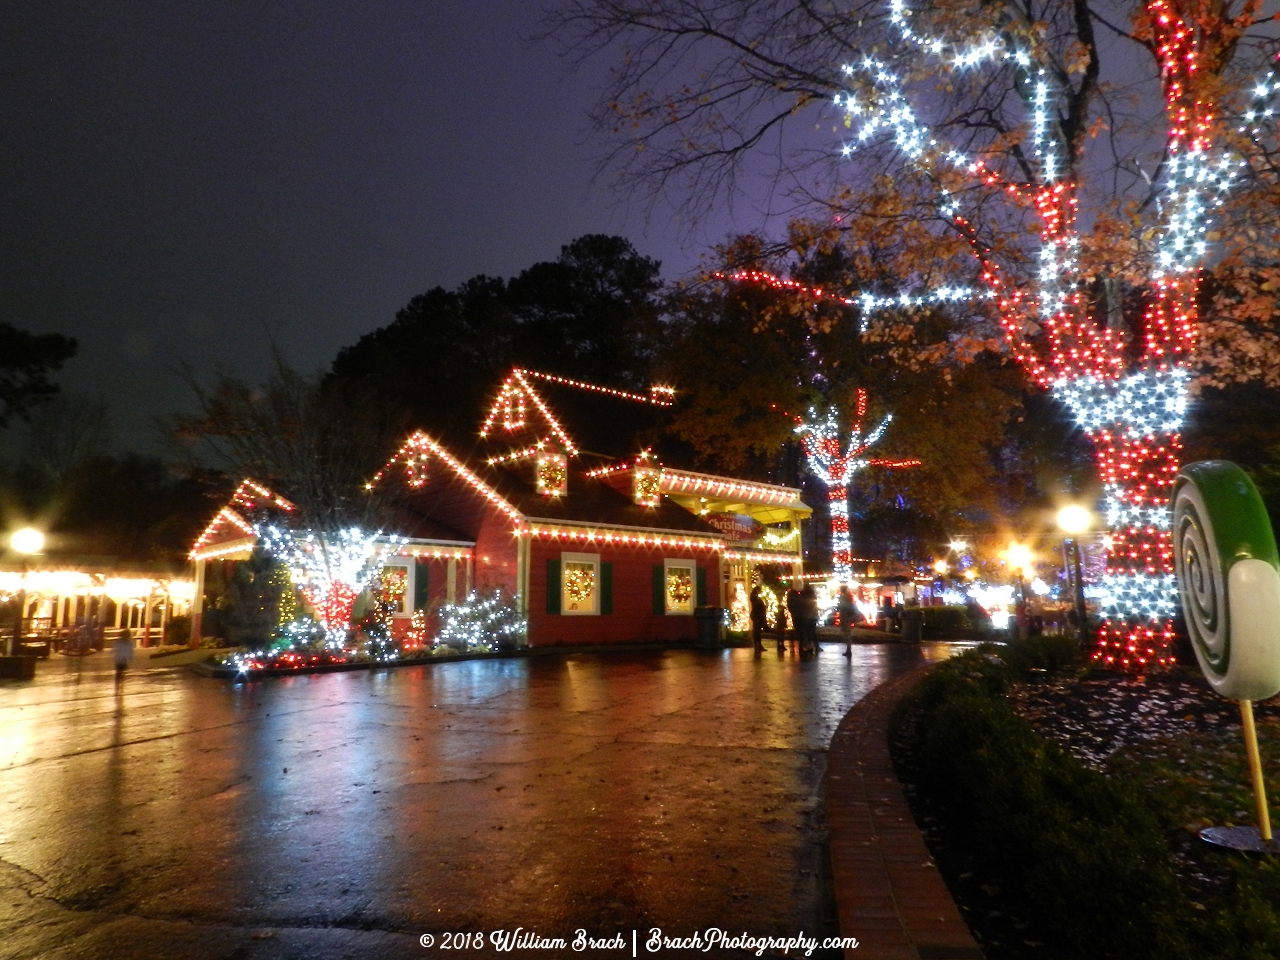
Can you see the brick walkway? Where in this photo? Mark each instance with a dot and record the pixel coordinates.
(888, 890)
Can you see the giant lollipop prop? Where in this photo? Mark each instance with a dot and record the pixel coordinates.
(1229, 584)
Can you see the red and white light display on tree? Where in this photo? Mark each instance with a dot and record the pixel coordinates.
(822, 446)
(332, 569)
(1127, 390)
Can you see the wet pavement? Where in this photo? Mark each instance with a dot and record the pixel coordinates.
(347, 814)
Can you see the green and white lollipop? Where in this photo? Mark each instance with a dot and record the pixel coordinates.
(1229, 584)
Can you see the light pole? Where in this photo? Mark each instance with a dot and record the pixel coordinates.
(24, 542)
(1021, 559)
(1075, 520)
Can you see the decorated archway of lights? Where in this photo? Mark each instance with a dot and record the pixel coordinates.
(820, 437)
(1127, 394)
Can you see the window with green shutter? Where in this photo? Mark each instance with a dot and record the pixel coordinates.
(553, 586)
(659, 589)
(701, 590)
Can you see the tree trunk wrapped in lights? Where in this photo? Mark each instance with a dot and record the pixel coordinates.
(821, 440)
(1126, 389)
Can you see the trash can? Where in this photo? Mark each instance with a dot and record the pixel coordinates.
(18, 667)
(710, 621)
(912, 624)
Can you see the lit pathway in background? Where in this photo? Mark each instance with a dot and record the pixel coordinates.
(345, 814)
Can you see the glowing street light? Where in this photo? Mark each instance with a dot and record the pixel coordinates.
(941, 567)
(1020, 557)
(1074, 519)
(27, 541)
(959, 546)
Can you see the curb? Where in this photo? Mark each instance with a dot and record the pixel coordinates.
(889, 893)
(207, 669)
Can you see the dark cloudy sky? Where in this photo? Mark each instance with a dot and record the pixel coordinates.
(179, 177)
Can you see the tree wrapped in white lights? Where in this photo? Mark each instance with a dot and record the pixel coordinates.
(331, 568)
(821, 440)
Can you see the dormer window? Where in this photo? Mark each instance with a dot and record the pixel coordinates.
(647, 485)
(551, 471)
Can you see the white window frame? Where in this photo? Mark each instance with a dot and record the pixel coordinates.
(670, 563)
(409, 585)
(565, 560)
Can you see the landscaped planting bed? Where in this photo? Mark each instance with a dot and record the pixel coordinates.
(1062, 805)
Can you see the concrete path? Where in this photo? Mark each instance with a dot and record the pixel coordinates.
(345, 815)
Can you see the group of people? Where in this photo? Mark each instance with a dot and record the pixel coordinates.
(802, 605)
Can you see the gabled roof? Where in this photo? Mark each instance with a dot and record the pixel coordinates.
(533, 408)
(231, 531)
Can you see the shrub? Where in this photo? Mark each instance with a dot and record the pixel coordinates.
(1088, 855)
(944, 622)
(177, 631)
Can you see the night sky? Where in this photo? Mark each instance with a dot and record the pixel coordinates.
(182, 181)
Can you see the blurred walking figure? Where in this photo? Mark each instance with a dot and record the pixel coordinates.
(758, 617)
(123, 650)
(848, 613)
(809, 619)
(794, 603)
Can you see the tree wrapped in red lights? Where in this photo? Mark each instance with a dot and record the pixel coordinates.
(822, 446)
(984, 113)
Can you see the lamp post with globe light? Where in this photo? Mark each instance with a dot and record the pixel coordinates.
(1074, 519)
(25, 542)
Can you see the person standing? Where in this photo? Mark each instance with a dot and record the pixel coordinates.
(758, 616)
(809, 618)
(848, 612)
(123, 651)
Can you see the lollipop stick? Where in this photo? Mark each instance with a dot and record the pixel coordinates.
(1255, 769)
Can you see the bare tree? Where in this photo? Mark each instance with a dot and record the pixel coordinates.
(316, 440)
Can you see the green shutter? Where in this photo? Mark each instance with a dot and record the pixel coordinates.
(701, 579)
(606, 588)
(553, 586)
(659, 589)
(421, 582)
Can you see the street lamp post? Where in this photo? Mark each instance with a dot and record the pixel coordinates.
(24, 542)
(1075, 520)
(1021, 559)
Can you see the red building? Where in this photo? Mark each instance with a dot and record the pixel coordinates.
(592, 548)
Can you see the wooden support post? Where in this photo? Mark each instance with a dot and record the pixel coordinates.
(197, 606)
(1255, 769)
